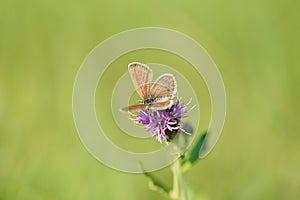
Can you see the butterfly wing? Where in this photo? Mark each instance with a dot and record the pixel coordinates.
(141, 76)
(161, 105)
(134, 107)
(163, 90)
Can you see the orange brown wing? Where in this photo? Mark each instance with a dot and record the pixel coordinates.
(135, 107)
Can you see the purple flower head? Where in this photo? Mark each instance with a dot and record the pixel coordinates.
(143, 117)
(163, 124)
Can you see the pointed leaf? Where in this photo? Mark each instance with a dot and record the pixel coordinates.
(192, 155)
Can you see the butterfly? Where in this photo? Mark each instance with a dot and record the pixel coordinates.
(158, 96)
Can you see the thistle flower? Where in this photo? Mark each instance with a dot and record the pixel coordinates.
(164, 124)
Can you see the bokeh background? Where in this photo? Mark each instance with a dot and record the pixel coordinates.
(254, 43)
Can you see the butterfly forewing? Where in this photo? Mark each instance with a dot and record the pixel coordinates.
(164, 88)
(141, 76)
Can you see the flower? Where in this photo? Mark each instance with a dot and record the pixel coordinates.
(163, 124)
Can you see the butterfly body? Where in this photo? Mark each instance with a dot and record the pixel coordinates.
(149, 101)
(158, 96)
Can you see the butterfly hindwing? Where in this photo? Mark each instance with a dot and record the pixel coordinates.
(135, 107)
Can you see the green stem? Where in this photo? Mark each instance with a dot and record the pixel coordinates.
(180, 189)
(174, 194)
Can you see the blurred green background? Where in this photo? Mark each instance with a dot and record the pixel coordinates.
(254, 43)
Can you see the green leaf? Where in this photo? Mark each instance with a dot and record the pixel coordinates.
(190, 157)
(156, 185)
